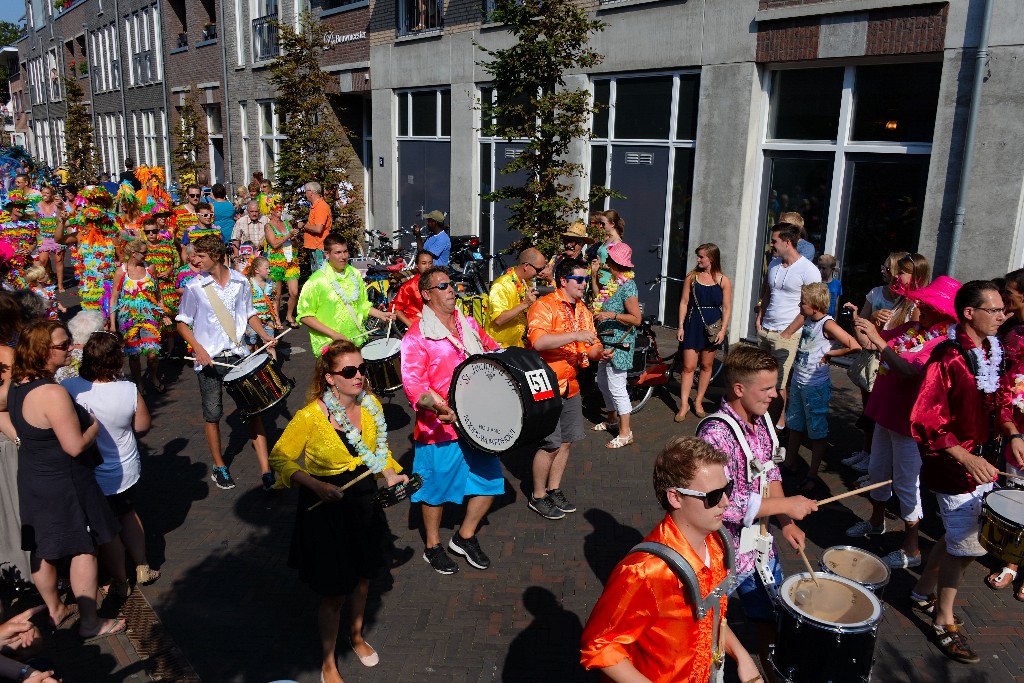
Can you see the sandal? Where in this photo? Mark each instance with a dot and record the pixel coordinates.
(70, 617)
(1018, 595)
(112, 629)
(603, 426)
(997, 581)
(620, 441)
(145, 576)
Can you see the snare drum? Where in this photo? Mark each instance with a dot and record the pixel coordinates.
(858, 565)
(1002, 525)
(256, 385)
(384, 363)
(826, 633)
(505, 399)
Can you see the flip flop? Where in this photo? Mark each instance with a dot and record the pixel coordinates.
(997, 581)
(70, 617)
(112, 629)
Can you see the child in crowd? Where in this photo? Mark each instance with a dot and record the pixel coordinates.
(36, 278)
(258, 273)
(827, 268)
(138, 314)
(811, 385)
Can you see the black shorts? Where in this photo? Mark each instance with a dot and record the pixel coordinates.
(124, 502)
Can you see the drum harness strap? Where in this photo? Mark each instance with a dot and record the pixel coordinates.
(701, 605)
(755, 537)
(221, 311)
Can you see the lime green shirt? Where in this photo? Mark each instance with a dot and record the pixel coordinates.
(320, 300)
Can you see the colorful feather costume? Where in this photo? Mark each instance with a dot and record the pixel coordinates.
(139, 314)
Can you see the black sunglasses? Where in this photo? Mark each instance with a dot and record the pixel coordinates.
(63, 346)
(441, 286)
(151, 232)
(349, 371)
(193, 196)
(711, 498)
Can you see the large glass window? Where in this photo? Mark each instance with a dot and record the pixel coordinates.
(425, 113)
(643, 108)
(858, 187)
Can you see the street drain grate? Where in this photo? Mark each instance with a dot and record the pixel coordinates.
(164, 661)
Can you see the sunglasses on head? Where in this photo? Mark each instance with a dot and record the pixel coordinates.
(711, 498)
(349, 371)
(441, 286)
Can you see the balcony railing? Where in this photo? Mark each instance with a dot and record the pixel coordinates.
(421, 15)
(264, 38)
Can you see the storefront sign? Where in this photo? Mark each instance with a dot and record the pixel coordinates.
(332, 39)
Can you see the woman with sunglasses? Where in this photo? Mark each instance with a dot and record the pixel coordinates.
(63, 511)
(340, 545)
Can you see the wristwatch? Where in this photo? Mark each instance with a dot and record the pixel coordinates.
(24, 672)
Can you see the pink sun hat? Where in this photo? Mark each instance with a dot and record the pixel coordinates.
(621, 253)
(937, 295)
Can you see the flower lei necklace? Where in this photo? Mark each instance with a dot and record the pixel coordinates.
(914, 339)
(608, 291)
(519, 284)
(988, 368)
(376, 459)
(346, 275)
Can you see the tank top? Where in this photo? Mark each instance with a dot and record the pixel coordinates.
(807, 368)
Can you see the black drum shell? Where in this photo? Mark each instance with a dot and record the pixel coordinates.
(539, 417)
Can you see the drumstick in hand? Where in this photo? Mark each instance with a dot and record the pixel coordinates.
(855, 492)
(807, 563)
(212, 362)
(362, 476)
(271, 341)
(1014, 476)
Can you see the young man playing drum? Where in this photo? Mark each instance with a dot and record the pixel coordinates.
(214, 313)
(333, 302)
(952, 423)
(561, 330)
(643, 627)
(452, 471)
(512, 293)
(408, 304)
(742, 430)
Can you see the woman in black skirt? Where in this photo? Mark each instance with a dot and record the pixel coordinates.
(341, 544)
(63, 511)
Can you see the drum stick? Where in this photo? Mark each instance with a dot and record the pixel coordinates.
(212, 362)
(387, 335)
(362, 476)
(807, 563)
(855, 492)
(262, 348)
(1015, 476)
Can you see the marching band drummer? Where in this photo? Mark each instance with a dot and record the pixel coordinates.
(408, 304)
(333, 302)
(340, 545)
(431, 350)
(215, 310)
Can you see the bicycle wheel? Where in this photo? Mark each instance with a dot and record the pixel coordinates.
(638, 396)
(719, 363)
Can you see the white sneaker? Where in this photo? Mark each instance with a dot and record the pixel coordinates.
(855, 457)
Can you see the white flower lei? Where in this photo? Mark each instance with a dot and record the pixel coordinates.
(376, 459)
(988, 368)
(333, 277)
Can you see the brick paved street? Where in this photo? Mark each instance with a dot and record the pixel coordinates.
(236, 610)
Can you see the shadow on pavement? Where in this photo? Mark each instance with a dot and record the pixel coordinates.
(549, 648)
(608, 543)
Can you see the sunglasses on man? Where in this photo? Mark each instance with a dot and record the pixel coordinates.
(441, 286)
(579, 279)
(711, 498)
(349, 371)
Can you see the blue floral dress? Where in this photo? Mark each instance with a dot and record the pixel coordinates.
(612, 331)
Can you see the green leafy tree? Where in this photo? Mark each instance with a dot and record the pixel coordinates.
(533, 104)
(316, 145)
(190, 139)
(82, 159)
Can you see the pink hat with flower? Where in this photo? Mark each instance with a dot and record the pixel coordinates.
(621, 253)
(938, 295)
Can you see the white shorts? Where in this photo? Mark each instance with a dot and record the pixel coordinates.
(960, 514)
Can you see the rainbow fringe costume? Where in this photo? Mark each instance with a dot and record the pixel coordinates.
(138, 315)
(281, 269)
(96, 232)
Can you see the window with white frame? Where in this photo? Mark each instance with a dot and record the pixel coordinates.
(135, 137)
(58, 131)
(270, 137)
(53, 75)
(425, 113)
(149, 137)
(243, 122)
(215, 141)
(848, 148)
(142, 35)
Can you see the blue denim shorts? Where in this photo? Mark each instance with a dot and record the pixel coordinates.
(807, 409)
(757, 604)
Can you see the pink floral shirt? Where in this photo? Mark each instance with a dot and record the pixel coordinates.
(720, 435)
(430, 363)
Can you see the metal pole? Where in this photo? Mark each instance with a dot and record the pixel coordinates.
(980, 59)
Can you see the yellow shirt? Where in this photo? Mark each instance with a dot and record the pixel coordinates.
(311, 433)
(507, 292)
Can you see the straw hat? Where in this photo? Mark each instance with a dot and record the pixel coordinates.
(578, 231)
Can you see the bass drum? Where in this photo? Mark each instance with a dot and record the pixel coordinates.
(1002, 525)
(504, 399)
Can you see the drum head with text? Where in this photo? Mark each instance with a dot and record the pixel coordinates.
(488, 404)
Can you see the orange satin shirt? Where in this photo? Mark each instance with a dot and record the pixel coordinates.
(550, 315)
(319, 214)
(645, 614)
